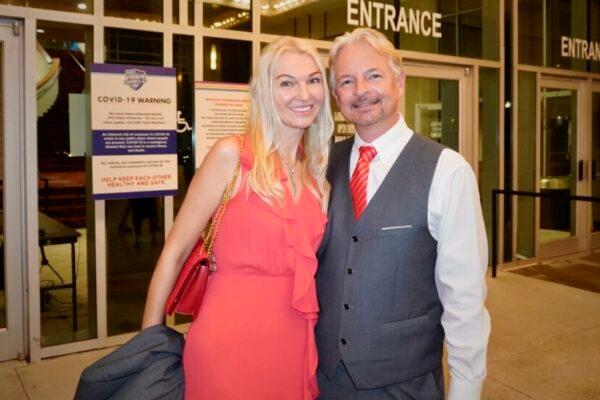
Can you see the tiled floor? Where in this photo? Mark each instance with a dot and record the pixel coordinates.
(545, 344)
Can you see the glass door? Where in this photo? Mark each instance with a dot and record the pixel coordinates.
(11, 264)
(560, 167)
(595, 159)
(436, 104)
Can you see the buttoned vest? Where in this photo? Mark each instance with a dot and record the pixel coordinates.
(380, 311)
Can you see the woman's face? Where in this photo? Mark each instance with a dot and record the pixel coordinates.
(298, 89)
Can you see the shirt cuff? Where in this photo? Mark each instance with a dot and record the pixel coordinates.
(464, 390)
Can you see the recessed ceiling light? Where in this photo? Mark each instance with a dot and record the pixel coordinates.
(82, 6)
(40, 30)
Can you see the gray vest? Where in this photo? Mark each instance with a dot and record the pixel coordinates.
(380, 311)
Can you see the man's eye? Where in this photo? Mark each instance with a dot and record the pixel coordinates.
(374, 76)
(345, 82)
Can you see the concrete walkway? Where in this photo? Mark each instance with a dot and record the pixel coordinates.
(545, 345)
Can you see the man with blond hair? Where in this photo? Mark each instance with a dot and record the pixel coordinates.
(403, 262)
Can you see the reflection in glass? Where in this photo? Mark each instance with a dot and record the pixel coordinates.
(134, 227)
(148, 10)
(191, 12)
(432, 107)
(65, 210)
(596, 159)
(228, 14)
(2, 263)
(80, 6)
(175, 11)
(227, 60)
(558, 162)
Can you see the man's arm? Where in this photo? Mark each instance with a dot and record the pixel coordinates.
(455, 220)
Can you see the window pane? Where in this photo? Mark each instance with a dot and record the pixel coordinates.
(526, 164)
(558, 163)
(227, 60)
(125, 46)
(531, 46)
(148, 10)
(65, 209)
(489, 108)
(467, 28)
(2, 263)
(191, 12)
(134, 231)
(596, 159)
(80, 6)
(175, 11)
(431, 108)
(235, 15)
(183, 61)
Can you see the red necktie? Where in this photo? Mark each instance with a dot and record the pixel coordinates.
(360, 177)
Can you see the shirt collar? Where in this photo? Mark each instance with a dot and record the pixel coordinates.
(386, 144)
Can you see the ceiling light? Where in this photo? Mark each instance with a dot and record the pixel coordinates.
(82, 6)
(40, 30)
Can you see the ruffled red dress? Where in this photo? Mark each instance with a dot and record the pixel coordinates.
(254, 335)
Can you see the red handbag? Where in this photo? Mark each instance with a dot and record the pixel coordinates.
(188, 291)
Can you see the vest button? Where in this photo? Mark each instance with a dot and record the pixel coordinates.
(355, 238)
(343, 341)
(349, 271)
(346, 306)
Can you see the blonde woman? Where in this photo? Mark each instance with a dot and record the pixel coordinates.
(253, 337)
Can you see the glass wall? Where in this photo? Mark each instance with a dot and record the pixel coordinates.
(66, 213)
(560, 34)
(134, 227)
(466, 28)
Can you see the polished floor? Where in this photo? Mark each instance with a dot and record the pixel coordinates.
(545, 344)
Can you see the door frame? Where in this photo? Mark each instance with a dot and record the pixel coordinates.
(12, 338)
(466, 77)
(580, 241)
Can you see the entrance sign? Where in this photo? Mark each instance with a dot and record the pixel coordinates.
(579, 48)
(222, 109)
(134, 143)
(379, 15)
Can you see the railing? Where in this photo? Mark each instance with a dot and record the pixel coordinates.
(497, 192)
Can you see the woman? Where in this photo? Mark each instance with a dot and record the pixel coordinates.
(253, 337)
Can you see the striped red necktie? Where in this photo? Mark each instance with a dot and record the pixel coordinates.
(360, 177)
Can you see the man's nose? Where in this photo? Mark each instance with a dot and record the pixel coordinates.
(361, 87)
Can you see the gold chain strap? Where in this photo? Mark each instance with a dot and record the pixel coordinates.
(213, 229)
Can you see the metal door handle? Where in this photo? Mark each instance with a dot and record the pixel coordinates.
(580, 170)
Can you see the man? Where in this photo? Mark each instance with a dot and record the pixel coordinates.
(404, 257)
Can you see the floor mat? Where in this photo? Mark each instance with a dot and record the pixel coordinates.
(581, 276)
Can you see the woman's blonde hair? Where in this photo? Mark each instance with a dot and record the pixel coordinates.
(375, 39)
(265, 127)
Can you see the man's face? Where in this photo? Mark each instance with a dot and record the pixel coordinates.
(366, 90)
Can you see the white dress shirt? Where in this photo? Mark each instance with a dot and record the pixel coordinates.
(456, 223)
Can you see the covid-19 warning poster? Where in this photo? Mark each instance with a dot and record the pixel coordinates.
(134, 122)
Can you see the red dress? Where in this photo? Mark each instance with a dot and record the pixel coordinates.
(254, 335)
